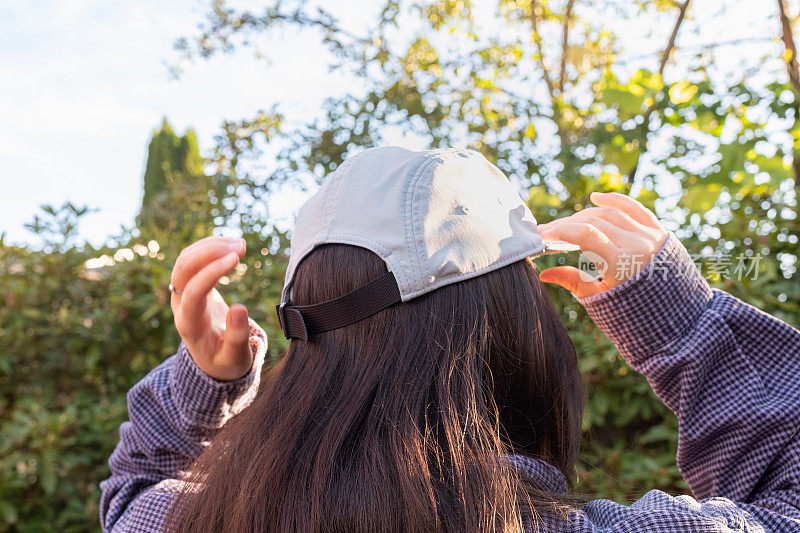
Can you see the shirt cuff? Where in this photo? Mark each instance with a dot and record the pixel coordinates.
(655, 306)
(207, 402)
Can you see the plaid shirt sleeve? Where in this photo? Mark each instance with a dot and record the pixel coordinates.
(731, 374)
(173, 413)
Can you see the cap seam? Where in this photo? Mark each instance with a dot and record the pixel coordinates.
(447, 280)
(336, 186)
(408, 212)
(383, 251)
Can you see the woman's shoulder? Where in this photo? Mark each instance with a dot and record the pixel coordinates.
(541, 471)
(149, 510)
(655, 512)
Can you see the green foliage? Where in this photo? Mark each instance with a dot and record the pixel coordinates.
(175, 198)
(564, 118)
(170, 159)
(79, 326)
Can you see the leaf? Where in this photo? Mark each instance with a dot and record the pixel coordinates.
(708, 122)
(539, 197)
(618, 153)
(530, 131)
(657, 434)
(733, 156)
(682, 92)
(624, 100)
(625, 413)
(612, 181)
(152, 311)
(701, 197)
(648, 80)
(8, 512)
(47, 476)
(778, 170)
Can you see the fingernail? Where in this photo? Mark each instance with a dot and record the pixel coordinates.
(236, 245)
(240, 319)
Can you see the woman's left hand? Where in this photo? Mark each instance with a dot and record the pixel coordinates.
(620, 237)
(217, 335)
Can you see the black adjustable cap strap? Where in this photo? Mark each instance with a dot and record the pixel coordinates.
(303, 321)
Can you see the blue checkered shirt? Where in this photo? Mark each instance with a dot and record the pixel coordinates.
(729, 372)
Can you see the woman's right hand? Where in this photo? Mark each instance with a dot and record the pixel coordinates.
(620, 236)
(216, 335)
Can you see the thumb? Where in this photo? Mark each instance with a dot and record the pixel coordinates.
(574, 280)
(236, 354)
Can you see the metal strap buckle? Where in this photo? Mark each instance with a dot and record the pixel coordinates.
(281, 309)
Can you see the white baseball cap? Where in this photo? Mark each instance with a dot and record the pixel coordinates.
(435, 217)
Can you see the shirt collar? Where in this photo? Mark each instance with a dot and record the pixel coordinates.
(548, 475)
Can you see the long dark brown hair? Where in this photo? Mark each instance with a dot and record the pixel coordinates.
(399, 422)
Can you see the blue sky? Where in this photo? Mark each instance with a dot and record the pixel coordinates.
(84, 84)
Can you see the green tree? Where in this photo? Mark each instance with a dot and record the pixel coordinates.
(79, 327)
(549, 93)
(175, 202)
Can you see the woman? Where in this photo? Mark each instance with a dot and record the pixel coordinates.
(430, 385)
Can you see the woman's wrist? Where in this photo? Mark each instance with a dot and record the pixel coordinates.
(655, 305)
(208, 402)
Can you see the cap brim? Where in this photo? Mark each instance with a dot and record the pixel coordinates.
(557, 247)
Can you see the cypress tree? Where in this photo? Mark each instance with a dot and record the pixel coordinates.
(175, 203)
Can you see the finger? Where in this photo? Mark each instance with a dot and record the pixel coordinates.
(236, 353)
(212, 238)
(193, 258)
(574, 280)
(613, 215)
(614, 223)
(585, 235)
(194, 295)
(232, 241)
(627, 205)
(622, 239)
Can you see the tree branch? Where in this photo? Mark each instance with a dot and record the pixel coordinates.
(787, 37)
(661, 66)
(548, 80)
(671, 43)
(537, 39)
(704, 46)
(564, 38)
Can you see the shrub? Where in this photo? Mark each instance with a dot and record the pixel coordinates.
(79, 326)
